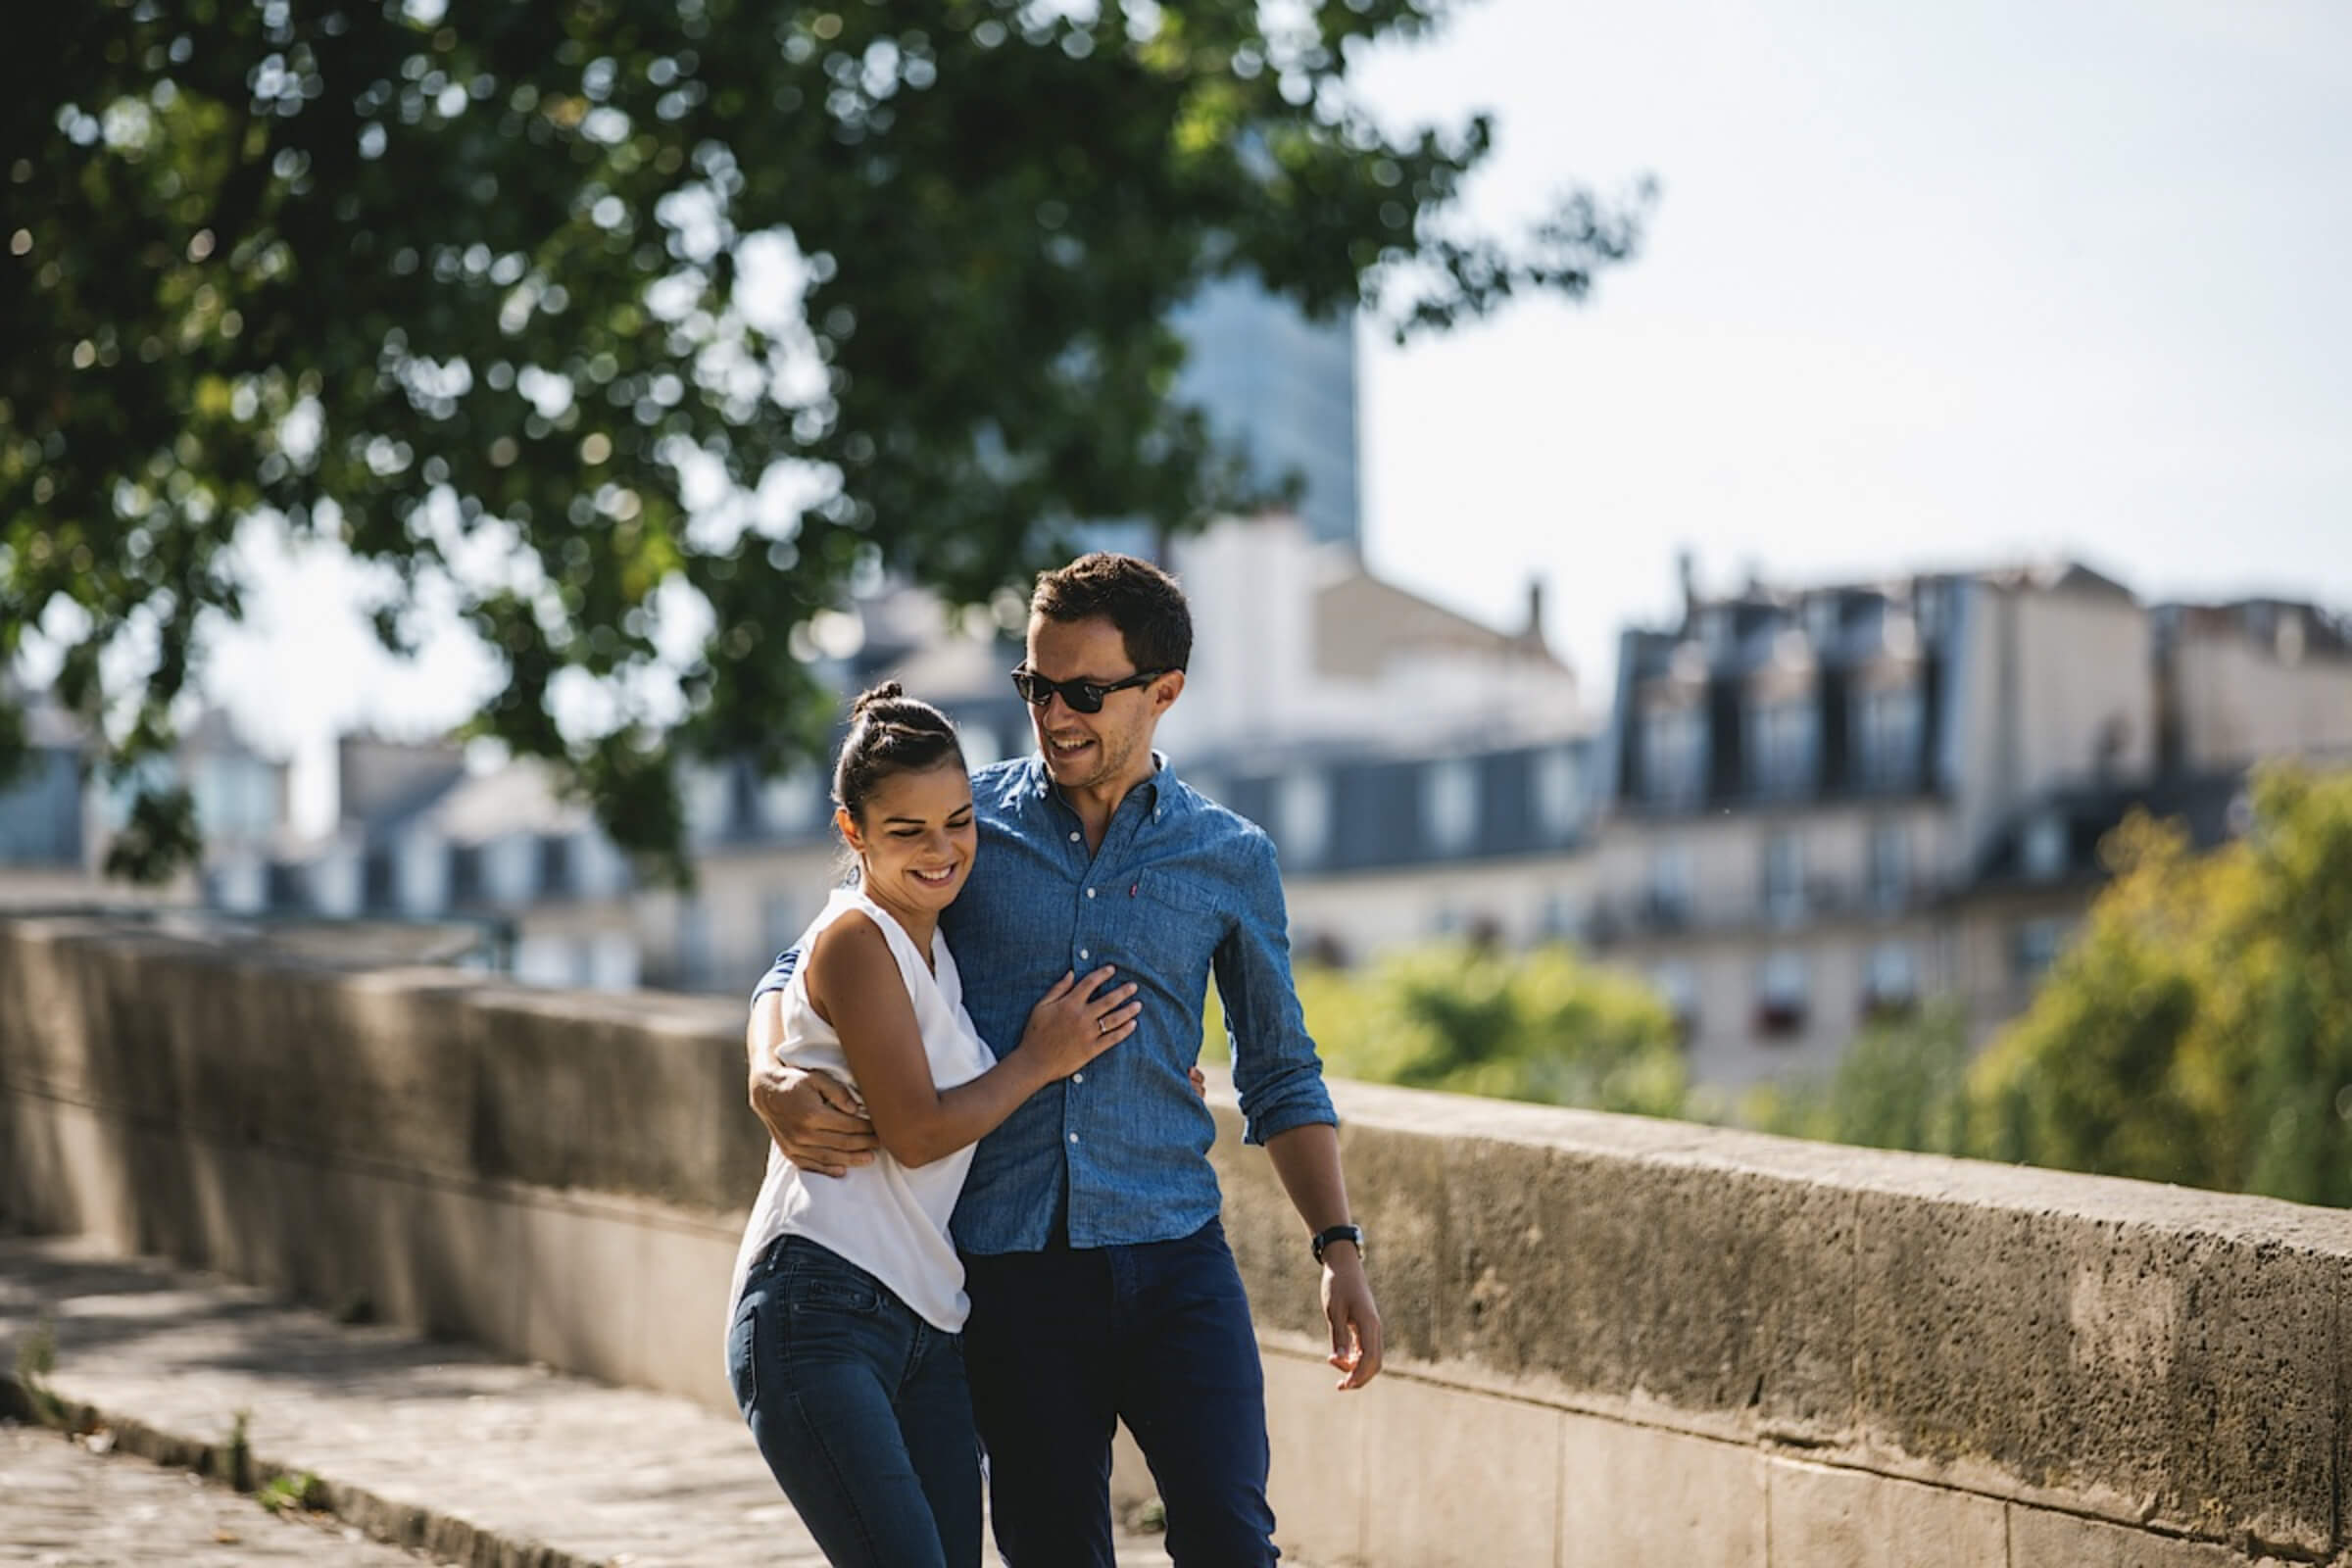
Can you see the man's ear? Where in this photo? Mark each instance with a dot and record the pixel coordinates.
(1166, 689)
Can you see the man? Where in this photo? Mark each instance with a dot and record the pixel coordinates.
(1101, 1283)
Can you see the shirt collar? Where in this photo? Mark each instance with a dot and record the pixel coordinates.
(1161, 789)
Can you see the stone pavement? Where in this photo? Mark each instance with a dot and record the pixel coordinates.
(417, 1442)
(63, 1505)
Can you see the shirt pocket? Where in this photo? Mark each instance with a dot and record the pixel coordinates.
(1177, 893)
(1173, 922)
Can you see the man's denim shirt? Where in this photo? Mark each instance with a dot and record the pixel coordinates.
(1181, 888)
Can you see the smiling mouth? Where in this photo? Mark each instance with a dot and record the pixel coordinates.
(1069, 748)
(934, 879)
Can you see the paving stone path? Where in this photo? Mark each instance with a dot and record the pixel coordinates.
(63, 1505)
(425, 1444)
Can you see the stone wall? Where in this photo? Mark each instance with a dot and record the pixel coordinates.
(1613, 1341)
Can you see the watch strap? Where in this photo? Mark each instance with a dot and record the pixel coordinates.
(1340, 1233)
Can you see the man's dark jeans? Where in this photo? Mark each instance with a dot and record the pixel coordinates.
(1063, 1343)
(859, 1408)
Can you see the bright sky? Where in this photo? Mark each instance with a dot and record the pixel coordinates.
(1926, 285)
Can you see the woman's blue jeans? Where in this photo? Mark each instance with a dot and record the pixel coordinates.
(859, 1408)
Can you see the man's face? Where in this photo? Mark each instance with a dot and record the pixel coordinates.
(1092, 750)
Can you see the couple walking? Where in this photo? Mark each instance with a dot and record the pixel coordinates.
(1008, 1002)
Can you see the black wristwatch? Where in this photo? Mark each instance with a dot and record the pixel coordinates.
(1340, 1233)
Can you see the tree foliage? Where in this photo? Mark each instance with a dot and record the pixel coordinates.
(1901, 1084)
(729, 303)
(2199, 1030)
(1545, 1025)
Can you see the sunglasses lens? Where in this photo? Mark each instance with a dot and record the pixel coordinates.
(1037, 691)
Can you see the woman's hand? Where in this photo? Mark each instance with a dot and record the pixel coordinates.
(1077, 1022)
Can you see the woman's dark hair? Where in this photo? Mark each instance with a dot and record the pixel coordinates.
(890, 732)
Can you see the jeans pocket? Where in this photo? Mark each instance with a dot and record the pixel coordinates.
(743, 1350)
(817, 1280)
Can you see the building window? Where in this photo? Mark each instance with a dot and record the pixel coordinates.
(1303, 817)
(1889, 866)
(1784, 877)
(1782, 985)
(1670, 897)
(1928, 605)
(509, 866)
(2038, 945)
(420, 872)
(1887, 731)
(1672, 755)
(1559, 792)
(708, 793)
(1890, 981)
(791, 803)
(1783, 748)
(2043, 851)
(556, 879)
(1450, 806)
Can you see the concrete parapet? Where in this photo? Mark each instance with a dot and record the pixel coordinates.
(1613, 1339)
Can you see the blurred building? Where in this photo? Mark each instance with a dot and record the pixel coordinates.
(1829, 806)
(420, 838)
(58, 817)
(1807, 809)
(1284, 387)
(2250, 680)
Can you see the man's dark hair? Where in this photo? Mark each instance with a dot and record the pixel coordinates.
(1133, 595)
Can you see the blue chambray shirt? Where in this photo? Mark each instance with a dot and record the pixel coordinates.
(1180, 890)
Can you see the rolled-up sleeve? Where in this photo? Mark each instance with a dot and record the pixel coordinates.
(1276, 1072)
(779, 974)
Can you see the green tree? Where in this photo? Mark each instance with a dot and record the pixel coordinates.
(1901, 1084)
(1545, 1025)
(2199, 1029)
(599, 284)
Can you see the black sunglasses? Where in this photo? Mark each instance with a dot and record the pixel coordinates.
(1083, 696)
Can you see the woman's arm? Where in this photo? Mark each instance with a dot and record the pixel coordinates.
(855, 985)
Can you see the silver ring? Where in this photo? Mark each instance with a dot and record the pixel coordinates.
(1101, 1026)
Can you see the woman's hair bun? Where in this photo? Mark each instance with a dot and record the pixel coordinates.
(890, 691)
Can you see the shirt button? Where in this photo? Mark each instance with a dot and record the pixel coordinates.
(1090, 892)
(1073, 838)
(1083, 954)
(1073, 1138)
(1077, 1077)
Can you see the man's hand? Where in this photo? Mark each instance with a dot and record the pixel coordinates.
(816, 1120)
(1355, 1321)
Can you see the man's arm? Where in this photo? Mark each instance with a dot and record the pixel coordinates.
(815, 1119)
(1279, 1080)
(1307, 1160)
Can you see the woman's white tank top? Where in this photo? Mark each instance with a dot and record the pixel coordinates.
(887, 1219)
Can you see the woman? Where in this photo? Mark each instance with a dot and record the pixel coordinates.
(842, 1347)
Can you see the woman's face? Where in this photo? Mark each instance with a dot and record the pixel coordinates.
(916, 837)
